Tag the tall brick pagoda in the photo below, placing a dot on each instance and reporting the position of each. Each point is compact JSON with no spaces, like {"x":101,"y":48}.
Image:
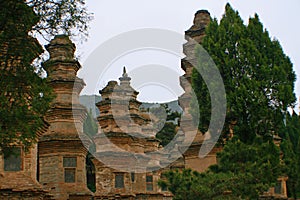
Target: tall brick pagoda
{"x":194,"y":36}
{"x":62,"y":152}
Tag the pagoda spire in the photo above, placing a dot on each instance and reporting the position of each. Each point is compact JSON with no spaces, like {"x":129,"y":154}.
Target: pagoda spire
{"x":124,"y":72}
{"x":125,"y":79}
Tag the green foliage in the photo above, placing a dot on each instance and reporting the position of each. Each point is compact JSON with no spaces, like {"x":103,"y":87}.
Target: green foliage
{"x":60,"y":17}
{"x":90,"y":126}
{"x":191,"y":185}
{"x":298,"y":164}
{"x":260,"y":159}
{"x":169,"y":129}
{"x":243,"y":172}
{"x":24,"y":96}
{"x":167,"y":133}
{"x":291,"y":155}
{"x":258,"y":76}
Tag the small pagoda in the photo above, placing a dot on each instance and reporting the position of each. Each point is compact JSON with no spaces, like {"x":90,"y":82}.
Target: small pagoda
{"x":125,"y":167}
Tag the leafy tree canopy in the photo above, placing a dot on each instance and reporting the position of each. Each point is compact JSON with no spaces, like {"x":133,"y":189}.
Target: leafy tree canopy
{"x":169,"y":126}
{"x":258,"y":76}
{"x":243,"y":172}
{"x":60,"y":17}
{"x":290,"y":147}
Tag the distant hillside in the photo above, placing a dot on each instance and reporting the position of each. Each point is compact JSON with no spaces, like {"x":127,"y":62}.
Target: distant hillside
{"x":173,"y":105}
{"x":89,"y":102}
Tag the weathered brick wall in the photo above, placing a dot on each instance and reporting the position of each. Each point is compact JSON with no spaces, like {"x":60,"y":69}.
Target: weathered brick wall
{"x":22,"y":184}
{"x":200,"y":164}
{"x":9,"y":195}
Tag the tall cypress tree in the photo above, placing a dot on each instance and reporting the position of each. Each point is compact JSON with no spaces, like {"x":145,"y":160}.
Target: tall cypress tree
{"x":258,"y":76}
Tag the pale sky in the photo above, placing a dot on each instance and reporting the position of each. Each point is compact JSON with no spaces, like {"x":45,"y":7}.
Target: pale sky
{"x":115,"y":17}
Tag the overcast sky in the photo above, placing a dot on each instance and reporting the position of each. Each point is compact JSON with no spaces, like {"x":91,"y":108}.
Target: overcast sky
{"x":115,"y":17}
